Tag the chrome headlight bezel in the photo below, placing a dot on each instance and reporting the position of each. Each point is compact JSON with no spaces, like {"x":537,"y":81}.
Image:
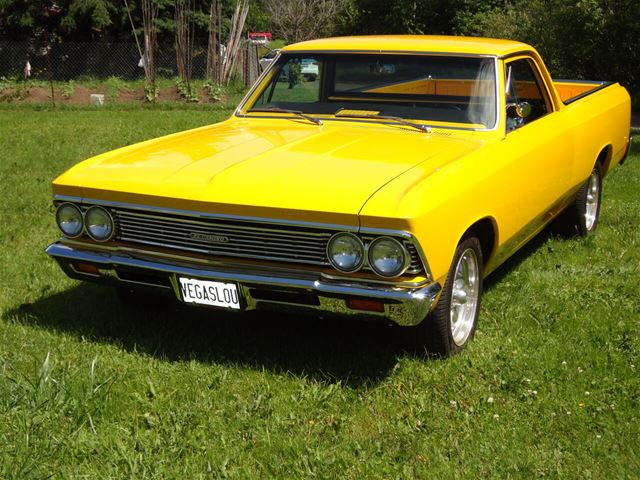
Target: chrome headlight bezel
{"x":74,"y":207}
{"x":110,"y":223}
{"x":358,"y":245}
{"x":402,"y":266}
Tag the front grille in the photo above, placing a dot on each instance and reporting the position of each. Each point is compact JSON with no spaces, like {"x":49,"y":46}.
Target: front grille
{"x":223,"y":237}
{"x":233,"y":238}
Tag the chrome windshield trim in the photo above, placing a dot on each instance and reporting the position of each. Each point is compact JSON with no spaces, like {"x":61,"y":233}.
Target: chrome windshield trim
{"x":256,"y":84}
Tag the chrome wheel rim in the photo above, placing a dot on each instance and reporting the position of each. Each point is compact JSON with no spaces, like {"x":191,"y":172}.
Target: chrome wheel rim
{"x":464,"y":296}
{"x":593,"y":199}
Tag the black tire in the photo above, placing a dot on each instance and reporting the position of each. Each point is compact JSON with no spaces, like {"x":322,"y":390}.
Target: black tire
{"x":581,"y":218}
{"x":434,"y":335}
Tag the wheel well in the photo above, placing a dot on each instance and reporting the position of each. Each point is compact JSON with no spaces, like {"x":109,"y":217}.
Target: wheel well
{"x":604,"y":159}
{"x":485,"y":231}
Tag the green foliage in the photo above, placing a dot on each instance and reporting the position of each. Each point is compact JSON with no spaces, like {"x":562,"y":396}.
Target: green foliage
{"x":68,"y":88}
{"x":276,"y":43}
{"x":295,"y":74}
{"x":5,"y":83}
{"x":96,"y":13}
{"x":257,"y":18}
{"x":187,"y":90}
{"x":586,"y":39}
{"x":114,"y":85}
{"x":236,"y":84}
{"x":215,"y":91}
{"x":151,"y":91}
{"x":399,"y":16}
{"x":589,"y":39}
{"x":14,"y":89}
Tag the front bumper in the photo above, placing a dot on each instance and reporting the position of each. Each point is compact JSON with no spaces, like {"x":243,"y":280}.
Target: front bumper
{"x":260,"y":287}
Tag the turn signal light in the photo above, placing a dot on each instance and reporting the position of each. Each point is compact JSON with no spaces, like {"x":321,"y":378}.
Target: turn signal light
{"x":86,"y":268}
{"x":368,"y":305}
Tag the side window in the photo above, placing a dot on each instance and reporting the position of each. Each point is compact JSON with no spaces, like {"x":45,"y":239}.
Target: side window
{"x":298,"y":81}
{"x":523,"y":88}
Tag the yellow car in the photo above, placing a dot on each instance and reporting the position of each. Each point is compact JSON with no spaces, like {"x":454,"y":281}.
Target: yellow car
{"x":387,"y":187}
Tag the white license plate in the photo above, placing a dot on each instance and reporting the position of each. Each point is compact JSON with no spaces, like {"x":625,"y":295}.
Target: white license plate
{"x":205,"y":292}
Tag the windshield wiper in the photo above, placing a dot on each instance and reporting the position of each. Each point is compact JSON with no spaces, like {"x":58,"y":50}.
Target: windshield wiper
{"x":286,"y":110}
{"x":352,"y":114}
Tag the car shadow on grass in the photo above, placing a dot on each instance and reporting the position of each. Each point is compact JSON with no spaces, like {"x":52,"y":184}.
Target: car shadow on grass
{"x":324,"y":349}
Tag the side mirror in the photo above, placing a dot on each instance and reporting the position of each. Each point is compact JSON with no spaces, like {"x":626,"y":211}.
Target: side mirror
{"x":521,"y":109}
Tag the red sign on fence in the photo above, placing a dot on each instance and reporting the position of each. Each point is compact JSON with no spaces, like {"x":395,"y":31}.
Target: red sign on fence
{"x":260,"y":38}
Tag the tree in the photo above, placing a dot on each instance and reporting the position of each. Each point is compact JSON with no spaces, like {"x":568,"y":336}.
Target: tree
{"x":297,"y":20}
{"x":234,"y":43}
{"x":400,"y":17}
{"x":184,"y":40}
{"x":588,"y":39}
{"x":213,"y":45}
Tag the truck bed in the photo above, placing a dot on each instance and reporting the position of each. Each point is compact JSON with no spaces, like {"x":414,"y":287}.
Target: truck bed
{"x":572,"y":90}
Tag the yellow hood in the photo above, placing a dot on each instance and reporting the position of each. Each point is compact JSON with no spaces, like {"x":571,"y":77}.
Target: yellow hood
{"x":274,"y":168}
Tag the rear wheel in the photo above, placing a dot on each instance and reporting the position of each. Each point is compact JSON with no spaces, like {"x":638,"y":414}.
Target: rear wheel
{"x":582,"y":216}
{"x":452,"y":324}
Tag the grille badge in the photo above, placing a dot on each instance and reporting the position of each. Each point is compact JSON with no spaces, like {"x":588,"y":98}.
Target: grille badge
{"x":207,"y":237}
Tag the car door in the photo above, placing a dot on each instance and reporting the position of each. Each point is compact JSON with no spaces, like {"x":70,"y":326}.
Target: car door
{"x":538,"y":152}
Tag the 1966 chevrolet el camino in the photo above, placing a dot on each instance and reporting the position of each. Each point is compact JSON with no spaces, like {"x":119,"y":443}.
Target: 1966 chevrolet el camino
{"x":387,"y":186}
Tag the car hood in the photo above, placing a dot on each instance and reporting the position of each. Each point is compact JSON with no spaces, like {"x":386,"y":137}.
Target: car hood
{"x":277,"y":169}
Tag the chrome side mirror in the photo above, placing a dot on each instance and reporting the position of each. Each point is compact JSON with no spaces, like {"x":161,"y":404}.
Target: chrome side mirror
{"x":521,"y":109}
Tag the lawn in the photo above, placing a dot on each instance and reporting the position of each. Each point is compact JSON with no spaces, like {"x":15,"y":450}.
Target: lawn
{"x":90,"y":388}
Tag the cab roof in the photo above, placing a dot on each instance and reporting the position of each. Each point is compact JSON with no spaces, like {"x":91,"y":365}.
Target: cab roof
{"x":412,"y":43}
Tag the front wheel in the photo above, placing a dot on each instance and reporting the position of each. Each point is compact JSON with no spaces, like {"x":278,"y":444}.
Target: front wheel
{"x":452,"y":324}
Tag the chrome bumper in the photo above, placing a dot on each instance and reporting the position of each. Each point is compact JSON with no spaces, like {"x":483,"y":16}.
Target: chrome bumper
{"x":260,"y":288}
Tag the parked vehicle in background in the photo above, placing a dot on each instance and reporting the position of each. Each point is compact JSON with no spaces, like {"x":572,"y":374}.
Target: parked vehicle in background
{"x":309,"y":69}
{"x":388,"y":189}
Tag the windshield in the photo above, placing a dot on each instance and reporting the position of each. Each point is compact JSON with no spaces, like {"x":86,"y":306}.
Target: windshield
{"x":428,"y":88}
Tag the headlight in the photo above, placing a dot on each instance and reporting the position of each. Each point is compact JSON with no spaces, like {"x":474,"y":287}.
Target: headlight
{"x":388,"y":257}
{"x":69,"y":219}
{"x":99,"y":224}
{"x":345,"y":252}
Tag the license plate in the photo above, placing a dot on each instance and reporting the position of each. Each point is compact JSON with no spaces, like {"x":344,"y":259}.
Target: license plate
{"x":205,"y":292}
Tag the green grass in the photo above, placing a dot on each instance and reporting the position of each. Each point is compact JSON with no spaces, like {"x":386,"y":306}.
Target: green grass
{"x":92,"y":389}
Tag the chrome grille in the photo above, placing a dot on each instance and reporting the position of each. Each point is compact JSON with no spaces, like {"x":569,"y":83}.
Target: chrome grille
{"x":222,"y":237}
{"x":233,"y":238}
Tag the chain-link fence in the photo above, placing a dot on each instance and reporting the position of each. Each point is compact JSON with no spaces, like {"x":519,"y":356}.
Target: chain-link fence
{"x":72,"y":61}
